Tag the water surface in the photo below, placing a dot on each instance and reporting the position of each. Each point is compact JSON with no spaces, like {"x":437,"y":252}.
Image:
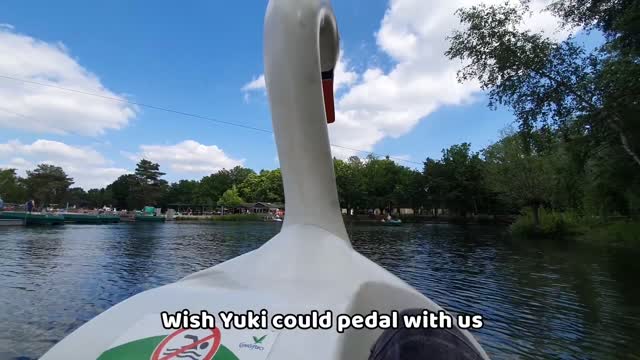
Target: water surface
{"x":540,"y":300}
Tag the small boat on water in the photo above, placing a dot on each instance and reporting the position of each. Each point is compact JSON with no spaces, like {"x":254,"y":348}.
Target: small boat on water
{"x":33,"y":218}
{"x":392,"y":222}
{"x":310,"y":265}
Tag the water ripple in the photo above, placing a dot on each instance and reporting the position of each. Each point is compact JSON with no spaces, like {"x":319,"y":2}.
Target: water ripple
{"x":540,"y":300}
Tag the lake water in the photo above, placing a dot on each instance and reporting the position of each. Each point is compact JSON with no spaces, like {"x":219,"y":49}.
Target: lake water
{"x":540,"y":300}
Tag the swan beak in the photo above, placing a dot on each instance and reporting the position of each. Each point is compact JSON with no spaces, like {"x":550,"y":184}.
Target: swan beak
{"x":327,"y":89}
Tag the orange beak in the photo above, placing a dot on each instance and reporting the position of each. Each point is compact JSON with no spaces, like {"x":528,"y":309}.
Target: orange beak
{"x":327,"y":89}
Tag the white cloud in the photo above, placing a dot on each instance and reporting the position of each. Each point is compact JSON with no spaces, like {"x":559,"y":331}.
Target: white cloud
{"x":187,"y":157}
{"x":344,"y":77}
{"x":87,"y":167}
{"x":255,"y":84}
{"x":377,"y":104}
{"x":45,"y":109}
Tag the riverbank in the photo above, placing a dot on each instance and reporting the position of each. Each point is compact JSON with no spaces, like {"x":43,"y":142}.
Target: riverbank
{"x":231,"y":217}
{"x":369,"y":219}
{"x":442,"y":219}
{"x":612,"y":231}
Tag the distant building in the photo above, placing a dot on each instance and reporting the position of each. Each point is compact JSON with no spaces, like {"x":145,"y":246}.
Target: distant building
{"x":259,"y":208}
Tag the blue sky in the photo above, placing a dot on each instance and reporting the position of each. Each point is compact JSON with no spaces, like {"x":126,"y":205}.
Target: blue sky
{"x":397,"y":96}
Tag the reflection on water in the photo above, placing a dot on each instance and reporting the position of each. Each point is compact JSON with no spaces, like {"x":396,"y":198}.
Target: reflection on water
{"x":540,"y":300}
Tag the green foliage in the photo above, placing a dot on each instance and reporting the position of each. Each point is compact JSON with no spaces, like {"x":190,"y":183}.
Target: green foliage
{"x":47,"y":184}
{"x":12,"y":187}
{"x":617,"y":19}
{"x":266,"y":186}
{"x":120,"y":191}
{"x":146,"y":186}
{"x":230,"y":198}
{"x":553,"y":84}
{"x":213,"y":186}
{"x":551,"y":225}
{"x":622,"y":233}
{"x":350,"y":182}
{"x":456,"y":181}
{"x":518,"y":173}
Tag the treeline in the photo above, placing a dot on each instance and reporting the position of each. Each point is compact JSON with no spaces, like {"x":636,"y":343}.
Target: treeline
{"x":49,"y":185}
{"x":557,"y":171}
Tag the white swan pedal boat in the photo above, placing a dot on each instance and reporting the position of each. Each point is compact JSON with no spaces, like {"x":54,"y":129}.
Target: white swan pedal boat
{"x":309,"y":265}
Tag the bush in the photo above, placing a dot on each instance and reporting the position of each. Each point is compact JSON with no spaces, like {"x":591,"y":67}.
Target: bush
{"x":552,"y":224}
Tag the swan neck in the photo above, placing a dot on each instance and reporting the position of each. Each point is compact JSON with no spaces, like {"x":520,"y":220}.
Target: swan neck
{"x":294,"y":84}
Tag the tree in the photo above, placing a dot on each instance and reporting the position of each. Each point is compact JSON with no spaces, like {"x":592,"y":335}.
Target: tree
{"x":213,"y":186}
{"x":616,"y":19}
{"x":182,"y":192}
{"x":119,"y":191}
{"x":77,"y":196}
{"x":12,"y":187}
{"x":380,"y":176}
{"x":146,"y":186}
{"x":48,"y":184}
{"x":549,"y":83}
{"x":266,"y":186}
{"x":457,"y":180}
{"x":521,"y":176}
{"x":350,"y":182}
{"x":230,"y":198}
{"x":239,"y":174}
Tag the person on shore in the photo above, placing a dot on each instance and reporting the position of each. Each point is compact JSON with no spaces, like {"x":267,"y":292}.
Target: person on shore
{"x":30,"y":205}
{"x":1,"y":204}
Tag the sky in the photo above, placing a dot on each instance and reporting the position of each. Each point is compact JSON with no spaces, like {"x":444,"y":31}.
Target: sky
{"x":397,"y":94}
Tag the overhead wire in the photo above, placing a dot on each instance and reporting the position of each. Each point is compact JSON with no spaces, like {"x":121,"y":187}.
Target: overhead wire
{"x":177,"y":112}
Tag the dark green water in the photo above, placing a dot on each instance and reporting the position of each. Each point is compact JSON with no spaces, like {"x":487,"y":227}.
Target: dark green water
{"x":540,"y":300}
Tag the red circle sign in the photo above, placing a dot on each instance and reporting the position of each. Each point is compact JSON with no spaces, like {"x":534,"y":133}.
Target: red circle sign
{"x":201,"y":344}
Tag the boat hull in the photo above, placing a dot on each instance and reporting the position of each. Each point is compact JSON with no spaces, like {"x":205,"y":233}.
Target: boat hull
{"x":155,"y":219}
{"x":33,"y":218}
{"x":11,"y":222}
{"x":262,"y":279}
{"x":90,"y":218}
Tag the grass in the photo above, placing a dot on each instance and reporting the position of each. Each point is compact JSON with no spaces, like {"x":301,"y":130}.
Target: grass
{"x":623,"y":233}
{"x":570,"y":225}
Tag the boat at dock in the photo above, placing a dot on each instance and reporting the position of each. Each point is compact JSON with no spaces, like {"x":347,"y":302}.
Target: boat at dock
{"x":33,"y":218}
{"x":150,"y":218}
{"x":88,"y":218}
{"x":150,"y":214}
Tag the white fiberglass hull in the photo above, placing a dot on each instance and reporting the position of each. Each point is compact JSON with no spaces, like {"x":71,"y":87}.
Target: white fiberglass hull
{"x":324,"y":274}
